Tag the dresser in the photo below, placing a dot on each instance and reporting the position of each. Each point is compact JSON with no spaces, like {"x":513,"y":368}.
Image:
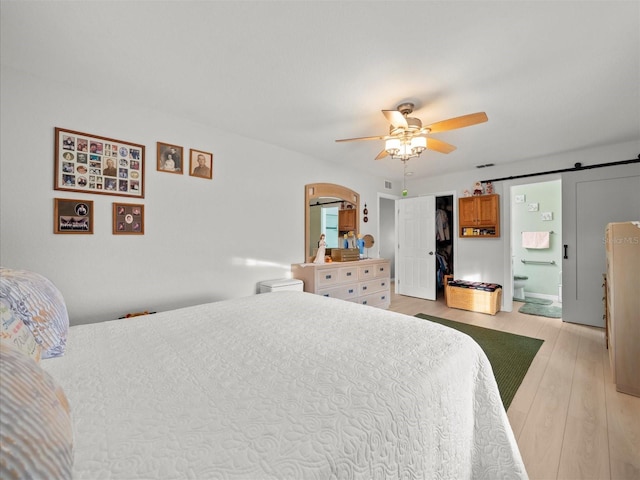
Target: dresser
{"x":622,"y":309}
{"x":362,"y":281}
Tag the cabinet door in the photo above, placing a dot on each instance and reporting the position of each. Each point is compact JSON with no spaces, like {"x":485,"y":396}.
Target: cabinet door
{"x":467,"y":211}
{"x":346,"y":220}
{"x":487,"y":209}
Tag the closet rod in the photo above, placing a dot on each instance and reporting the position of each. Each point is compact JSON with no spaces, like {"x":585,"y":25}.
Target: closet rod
{"x":578,"y":166}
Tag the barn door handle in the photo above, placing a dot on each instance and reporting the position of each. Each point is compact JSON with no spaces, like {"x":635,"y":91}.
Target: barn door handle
{"x":565,"y":251}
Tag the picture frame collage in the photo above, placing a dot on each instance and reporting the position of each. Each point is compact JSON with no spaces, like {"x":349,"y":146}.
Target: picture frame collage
{"x":91,"y":163}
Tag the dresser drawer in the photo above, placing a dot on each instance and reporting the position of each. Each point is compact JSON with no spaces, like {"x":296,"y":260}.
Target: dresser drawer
{"x":379,"y":299}
{"x":373,"y":286}
{"x":327,"y":277}
{"x":348,"y":274}
{"x":343,"y":292}
{"x":366,"y":272}
{"x":381,"y":270}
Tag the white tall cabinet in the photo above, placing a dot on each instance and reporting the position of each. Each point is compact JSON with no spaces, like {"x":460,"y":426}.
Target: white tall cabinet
{"x":622,"y":310}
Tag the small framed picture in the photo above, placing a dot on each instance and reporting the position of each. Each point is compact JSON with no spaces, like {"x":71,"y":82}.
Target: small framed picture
{"x":170,"y":158}
{"x":201,"y":164}
{"x":128,"y":219}
{"x":72,"y":216}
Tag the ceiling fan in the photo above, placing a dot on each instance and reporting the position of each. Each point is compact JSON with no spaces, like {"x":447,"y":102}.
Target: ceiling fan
{"x":408,"y":138}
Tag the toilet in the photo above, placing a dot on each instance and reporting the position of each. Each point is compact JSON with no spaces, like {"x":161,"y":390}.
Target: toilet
{"x":518,"y":286}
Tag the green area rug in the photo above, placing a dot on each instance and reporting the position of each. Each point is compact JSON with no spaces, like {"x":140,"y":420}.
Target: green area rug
{"x":539,"y":301}
{"x":541,"y":310}
{"x":510,"y":355}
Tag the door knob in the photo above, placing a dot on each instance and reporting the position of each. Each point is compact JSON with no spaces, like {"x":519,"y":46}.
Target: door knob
{"x":430,"y":253}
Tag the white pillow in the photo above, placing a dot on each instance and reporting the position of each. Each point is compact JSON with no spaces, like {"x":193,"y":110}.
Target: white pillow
{"x":36,"y":434}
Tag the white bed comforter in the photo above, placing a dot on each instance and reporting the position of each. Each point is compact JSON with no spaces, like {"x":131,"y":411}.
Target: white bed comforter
{"x":284,"y":385}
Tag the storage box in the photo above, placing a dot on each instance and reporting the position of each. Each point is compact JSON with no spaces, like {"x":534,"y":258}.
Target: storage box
{"x":281,"y":284}
{"x":473,"y":299}
{"x":345,"y":254}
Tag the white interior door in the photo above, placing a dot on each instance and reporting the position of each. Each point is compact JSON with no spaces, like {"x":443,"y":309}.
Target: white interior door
{"x":416,"y":259}
{"x":590,"y":202}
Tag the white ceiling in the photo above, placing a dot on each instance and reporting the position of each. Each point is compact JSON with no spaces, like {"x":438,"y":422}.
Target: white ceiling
{"x":552,"y":76}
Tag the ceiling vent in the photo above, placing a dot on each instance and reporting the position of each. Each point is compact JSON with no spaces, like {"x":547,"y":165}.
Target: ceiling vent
{"x":387,"y":185}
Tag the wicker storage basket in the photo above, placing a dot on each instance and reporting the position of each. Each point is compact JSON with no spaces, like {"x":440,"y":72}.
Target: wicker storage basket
{"x":472,"y":299}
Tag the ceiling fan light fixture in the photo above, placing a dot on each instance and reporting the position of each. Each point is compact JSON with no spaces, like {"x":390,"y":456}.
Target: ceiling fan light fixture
{"x":392,"y":146}
{"x":418,"y":145}
{"x":405,"y":149}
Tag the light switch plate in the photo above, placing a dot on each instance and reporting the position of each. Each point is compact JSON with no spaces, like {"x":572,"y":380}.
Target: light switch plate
{"x":520,"y":198}
{"x":532,"y":207}
{"x":546,"y":216}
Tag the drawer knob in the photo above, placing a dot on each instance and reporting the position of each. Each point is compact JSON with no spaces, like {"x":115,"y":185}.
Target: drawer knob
{"x":366,"y":271}
{"x":351,"y":290}
{"x":364,"y":288}
{"x":348,"y":274}
{"x":327,"y":277}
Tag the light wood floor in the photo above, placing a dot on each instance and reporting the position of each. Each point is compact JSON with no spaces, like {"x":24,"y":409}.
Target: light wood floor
{"x":568,"y":419}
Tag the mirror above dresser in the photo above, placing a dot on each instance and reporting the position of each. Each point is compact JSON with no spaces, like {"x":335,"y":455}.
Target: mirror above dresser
{"x":330,"y":209}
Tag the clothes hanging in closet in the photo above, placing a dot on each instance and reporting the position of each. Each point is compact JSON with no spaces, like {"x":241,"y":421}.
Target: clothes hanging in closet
{"x":442,"y":226}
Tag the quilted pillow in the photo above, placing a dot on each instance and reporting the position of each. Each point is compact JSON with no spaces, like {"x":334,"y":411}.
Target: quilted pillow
{"x":39,"y":304}
{"x":36,"y":434}
{"x":14,"y":332}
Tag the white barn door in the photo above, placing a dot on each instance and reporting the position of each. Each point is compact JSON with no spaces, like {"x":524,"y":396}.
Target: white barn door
{"x":416,"y":259}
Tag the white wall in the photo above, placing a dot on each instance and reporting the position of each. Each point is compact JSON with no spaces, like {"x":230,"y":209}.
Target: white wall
{"x":489,"y":259}
{"x":204,"y":240}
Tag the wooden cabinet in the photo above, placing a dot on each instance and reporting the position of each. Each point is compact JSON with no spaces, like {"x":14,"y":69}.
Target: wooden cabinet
{"x":347,"y":220}
{"x":479,"y":216}
{"x":363,"y":281}
{"x":622,"y":311}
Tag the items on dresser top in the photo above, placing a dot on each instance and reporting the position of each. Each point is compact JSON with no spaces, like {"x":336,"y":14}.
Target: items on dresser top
{"x":363,"y":281}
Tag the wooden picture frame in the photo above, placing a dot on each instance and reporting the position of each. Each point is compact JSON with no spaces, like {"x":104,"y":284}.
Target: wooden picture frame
{"x":72,"y":216}
{"x":93,"y":164}
{"x":128,"y":218}
{"x":170,"y":158}
{"x":200,"y":164}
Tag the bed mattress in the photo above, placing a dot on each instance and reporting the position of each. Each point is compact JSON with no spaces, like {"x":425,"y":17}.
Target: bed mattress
{"x":282,"y":385}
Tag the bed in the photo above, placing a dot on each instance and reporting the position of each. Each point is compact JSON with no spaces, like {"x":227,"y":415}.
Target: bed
{"x":282,"y":385}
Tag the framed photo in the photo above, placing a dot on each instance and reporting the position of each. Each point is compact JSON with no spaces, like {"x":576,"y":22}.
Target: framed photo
{"x":93,"y":164}
{"x":169,"y":158}
{"x":201,"y":164}
{"x":72,"y":216}
{"x":128,"y":219}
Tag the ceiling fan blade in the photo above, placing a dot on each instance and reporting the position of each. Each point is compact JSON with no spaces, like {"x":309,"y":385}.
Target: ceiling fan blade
{"x":439,"y":146}
{"x":382,"y":154}
{"x":395,"y":118}
{"x":458,"y":122}
{"x":379,"y":137}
